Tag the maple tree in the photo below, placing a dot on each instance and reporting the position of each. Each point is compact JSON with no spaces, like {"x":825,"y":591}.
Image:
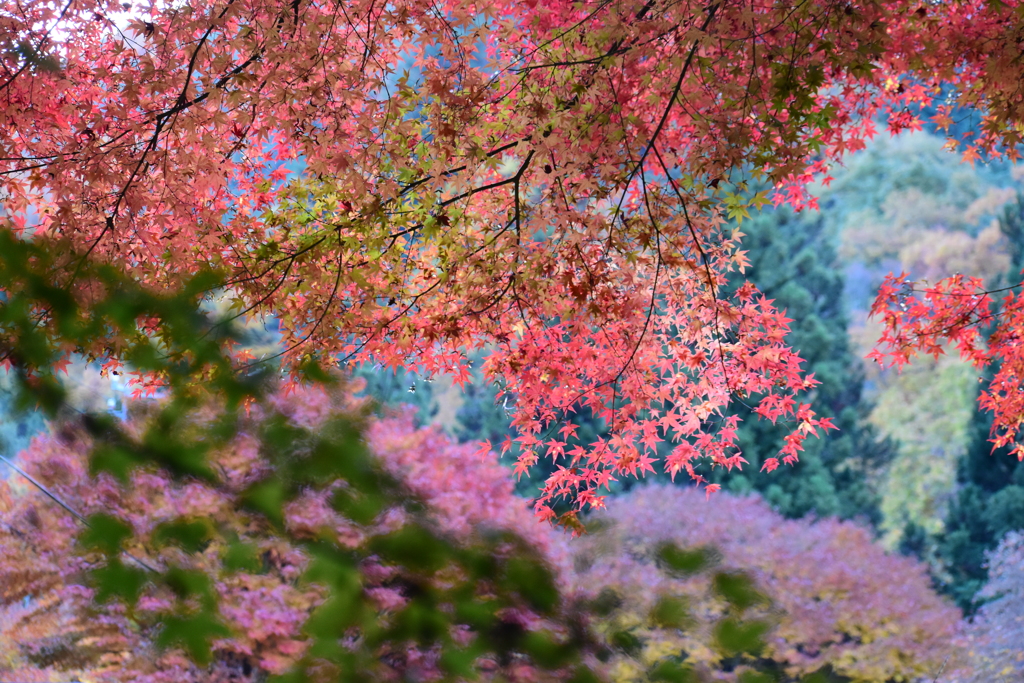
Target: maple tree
{"x":987,"y":500}
{"x":793,"y":262}
{"x":827,"y":598}
{"x":964,"y":313}
{"x":405,"y":182}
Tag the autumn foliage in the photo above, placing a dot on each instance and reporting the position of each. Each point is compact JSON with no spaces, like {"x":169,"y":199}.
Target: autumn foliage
{"x":51,"y":625}
{"x":960,"y":313}
{"x":995,"y":652}
{"x":833,"y":600}
{"x":405,"y":182}
{"x":561,"y":184}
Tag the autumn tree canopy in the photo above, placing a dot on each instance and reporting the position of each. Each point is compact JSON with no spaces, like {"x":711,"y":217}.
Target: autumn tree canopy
{"x":405,"y":182}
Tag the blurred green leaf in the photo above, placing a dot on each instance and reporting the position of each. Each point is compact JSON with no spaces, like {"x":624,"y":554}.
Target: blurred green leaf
{"x":239,"y":556}
{"x":115,"y":580}
{"x":312,"y":371}
{"x":582,"y":674}
{"x":478,"y":614}
{"x":545,"y":650}
{"x":168,"y":335}
{"x":671,"y":672}
{"x":606,"y":602}
{"x":420,"y":621}
{"x":191,"y":535}
{"x":35,"y":58}
{"x":412,"y":546}
{"x":682,"y":562}
{"x":113,"y":459}
{"x":532,"y":580}
{"x":361,"y":507}
{"x":824,"y":675}
{"x":183,"y":457}
{"x":333,"y":567}
{"x":105,"y":533}
{"x":671,"y":612}
{"x":733,"y":636}
{"x":460,"y":662}
{"x":192,"y":632}
{"x":738,"y":589}
{"x":186,"y":583}
{"x":627,"y":641}
{"x":266,"y":497}
{"x":335,"y":616}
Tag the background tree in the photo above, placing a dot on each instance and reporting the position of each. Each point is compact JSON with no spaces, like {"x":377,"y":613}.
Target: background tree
{"x":654,"y":608}
{"x":994,"y":633}
{"x":908,"y":204}
{"x":19,"y":424}
{"x":840,"y":606}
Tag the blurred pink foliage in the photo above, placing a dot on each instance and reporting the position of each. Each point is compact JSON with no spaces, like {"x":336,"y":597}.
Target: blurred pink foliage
{"x":50,"y":630}
{"x":468,"y":492}
{"x":837,"y":598}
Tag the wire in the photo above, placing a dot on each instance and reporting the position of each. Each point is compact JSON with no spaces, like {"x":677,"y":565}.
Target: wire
{"x":55,"y":498}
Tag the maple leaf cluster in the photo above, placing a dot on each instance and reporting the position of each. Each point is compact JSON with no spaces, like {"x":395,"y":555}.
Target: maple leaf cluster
{"x":959,"y":312}
{"x":404,"y":183}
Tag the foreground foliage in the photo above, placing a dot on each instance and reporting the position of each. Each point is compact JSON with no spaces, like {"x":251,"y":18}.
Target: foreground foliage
{"x":776,"y":600}
{"x":221,"y":509}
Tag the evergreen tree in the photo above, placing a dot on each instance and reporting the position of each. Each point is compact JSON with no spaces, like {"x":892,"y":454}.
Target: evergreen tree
{"x":392,"y":388}
{"x":794,"y":262}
